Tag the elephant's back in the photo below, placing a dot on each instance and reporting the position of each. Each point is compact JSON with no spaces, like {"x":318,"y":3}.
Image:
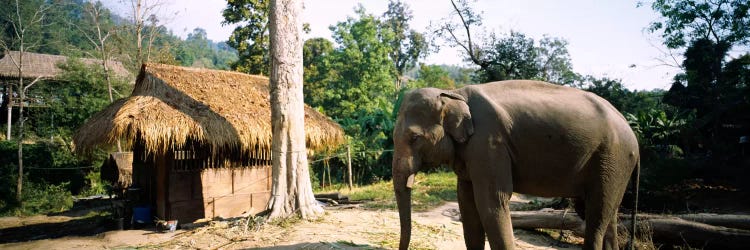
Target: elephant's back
{"x":545,"y":99}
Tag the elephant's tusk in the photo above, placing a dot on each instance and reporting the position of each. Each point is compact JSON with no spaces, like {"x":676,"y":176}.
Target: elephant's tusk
{"x":410,"y":181}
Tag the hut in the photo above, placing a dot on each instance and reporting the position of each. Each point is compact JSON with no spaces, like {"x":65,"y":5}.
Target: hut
{"x":37,"y":67}
{"x":200,"y":138}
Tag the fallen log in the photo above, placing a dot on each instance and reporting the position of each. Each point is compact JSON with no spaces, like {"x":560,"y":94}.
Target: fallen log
{"x":724,"y":220}
{"x":670,"y":230}
{"x":333,"y":196}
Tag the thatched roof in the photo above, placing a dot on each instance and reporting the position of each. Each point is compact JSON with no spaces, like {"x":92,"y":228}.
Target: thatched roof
{"x":45,"y":66}
{"x":172,"y":106}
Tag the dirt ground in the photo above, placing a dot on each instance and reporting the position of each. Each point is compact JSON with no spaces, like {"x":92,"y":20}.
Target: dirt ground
{"x":352,"y":228}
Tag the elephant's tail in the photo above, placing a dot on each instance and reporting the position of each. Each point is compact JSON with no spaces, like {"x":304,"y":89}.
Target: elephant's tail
{"x":635,"y":179}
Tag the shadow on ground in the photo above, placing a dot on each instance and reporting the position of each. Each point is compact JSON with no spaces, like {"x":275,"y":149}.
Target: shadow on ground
{"x":85,"y":226}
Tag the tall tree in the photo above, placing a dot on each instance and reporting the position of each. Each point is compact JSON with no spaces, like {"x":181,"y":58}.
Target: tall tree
{"x":722,"y":21}
{"x":457,"y":33}
{"x":359,"y":74}
{"x":514,"y":56}
{"x":707,"y":30}
{"x":292,"y":190}
{"x":97,"y":34}
{"x":23,"y":21}
{"x":408,"y":45}
{"x":250,"y":37}
{"x":100,"y":30}
{"x":143,"y":11}
{"x":316,"y":53}
{"x":554,"y":61}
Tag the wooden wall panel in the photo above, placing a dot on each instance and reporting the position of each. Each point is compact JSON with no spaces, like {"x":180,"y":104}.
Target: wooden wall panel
{"x":216,"y":182}
{"x":260,"y":200}
{"x":224,"y":192}
{"x":252,"y":180}
{"x":181,"y":186}
{"x":232,"y":206}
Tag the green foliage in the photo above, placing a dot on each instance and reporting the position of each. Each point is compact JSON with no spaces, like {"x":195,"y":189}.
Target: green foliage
{"x":519,"y":57}
{"x":723,"y":21}
{"x":316,"y":53}
{"x":460,"y":76}
{"x":658,"y":133}
{"x":625,"y":100}
{"x":23,"y":24}
{"x":42,"y":198}
{"x":198,"y":51}
{"x":433,"y":76}
{"x":52,"y":174}
{"x":359,"y":72}
{"x":716,"y":92}
{"x":250,"y":38}
{"x":353,"y":83}
{"x":79,"y":92}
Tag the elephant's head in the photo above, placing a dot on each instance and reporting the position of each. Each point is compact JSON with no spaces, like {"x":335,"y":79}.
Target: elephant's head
{"x":429,"y":125}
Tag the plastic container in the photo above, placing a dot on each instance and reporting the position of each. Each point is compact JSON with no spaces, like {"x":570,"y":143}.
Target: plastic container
{"x":142,"y":215}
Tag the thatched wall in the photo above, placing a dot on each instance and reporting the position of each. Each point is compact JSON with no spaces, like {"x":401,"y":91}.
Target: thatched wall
{"x":118,"y":169}
{"x":176,"y":107}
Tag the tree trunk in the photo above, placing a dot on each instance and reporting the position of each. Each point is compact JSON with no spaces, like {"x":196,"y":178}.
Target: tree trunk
{"x":674,"y":230}
{"x":10,"y":111}
{"x":292,"y":190}
{"x":138,"y":18}
{"x":22,"y":96}
{"x":108,"y":79}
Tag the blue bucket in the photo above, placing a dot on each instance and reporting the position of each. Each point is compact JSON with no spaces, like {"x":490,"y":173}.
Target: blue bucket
{"x":142,"y":214}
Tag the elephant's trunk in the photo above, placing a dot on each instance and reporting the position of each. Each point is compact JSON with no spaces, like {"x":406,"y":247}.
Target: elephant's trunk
{"x":403,"y":179}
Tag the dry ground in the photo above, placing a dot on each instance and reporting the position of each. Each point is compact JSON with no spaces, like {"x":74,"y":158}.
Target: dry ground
{"x":353,"y":228}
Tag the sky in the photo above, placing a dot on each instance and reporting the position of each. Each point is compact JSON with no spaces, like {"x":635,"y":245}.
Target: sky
{"x":606,"y":38}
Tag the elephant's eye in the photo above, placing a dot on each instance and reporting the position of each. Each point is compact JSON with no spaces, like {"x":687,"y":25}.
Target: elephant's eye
{"x":413,"y":138}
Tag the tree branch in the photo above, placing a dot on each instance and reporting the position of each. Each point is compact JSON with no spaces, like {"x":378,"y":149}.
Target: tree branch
{"x":32,"y":83}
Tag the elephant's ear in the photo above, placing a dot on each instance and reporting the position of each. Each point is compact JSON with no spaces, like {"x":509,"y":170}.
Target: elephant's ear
{"x":456,"y":116}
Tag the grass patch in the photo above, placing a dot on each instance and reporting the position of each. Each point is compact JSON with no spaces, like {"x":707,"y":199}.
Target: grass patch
{"x":430,"y":190}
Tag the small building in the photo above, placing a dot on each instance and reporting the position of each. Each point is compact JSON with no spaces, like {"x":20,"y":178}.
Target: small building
{"x":37,"y":67}
{"x":200,"y":138}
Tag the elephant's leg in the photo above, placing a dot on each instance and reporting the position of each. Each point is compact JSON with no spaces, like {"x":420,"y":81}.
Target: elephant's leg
{"x":602,"y":199}
{"x":610,"y":237}
{"x":472,"y":224}
{"x":492,"y":180}
{"x":495,"y":215}
{"x":597,"y":221}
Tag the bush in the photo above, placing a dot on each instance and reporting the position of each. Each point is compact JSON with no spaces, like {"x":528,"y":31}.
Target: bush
{"x":43,"y":198}
{"x":38,"y":198}
{"x":51,"y":174}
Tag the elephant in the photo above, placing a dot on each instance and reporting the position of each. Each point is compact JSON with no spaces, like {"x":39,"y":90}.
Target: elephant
{"x":520,"y":136}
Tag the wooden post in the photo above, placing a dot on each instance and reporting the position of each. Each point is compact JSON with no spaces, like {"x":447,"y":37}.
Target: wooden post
{"x":10,"y":111}
{"x":349,"y":164}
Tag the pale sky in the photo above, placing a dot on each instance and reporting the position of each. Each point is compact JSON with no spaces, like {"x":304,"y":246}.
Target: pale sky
{"x":605,"y":37}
